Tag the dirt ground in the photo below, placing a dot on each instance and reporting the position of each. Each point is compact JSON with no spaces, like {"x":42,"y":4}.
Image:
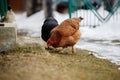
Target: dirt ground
{"x":29,"y":60}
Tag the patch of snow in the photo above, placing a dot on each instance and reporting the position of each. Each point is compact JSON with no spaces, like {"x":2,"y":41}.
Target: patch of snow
{"x":119,"y":68}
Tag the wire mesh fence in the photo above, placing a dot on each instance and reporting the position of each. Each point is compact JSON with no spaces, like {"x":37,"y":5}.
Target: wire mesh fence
{"x":95,"y":12}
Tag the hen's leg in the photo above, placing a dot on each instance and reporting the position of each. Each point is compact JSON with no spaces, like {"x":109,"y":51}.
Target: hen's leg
{"x":46,"y":46}
{"x":73,"y":50}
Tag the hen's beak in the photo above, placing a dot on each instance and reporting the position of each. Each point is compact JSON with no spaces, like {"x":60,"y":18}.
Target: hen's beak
{"x":81,"y":18}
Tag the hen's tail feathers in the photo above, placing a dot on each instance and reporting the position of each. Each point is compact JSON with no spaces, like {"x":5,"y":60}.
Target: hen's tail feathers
{"x":81,"y":18}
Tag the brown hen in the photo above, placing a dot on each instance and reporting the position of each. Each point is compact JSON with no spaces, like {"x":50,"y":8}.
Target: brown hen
{"x":66,"y":34}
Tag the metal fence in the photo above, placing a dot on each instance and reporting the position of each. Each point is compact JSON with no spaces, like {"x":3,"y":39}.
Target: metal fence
{"x":95,"y":12}
{"x":3,"y":7}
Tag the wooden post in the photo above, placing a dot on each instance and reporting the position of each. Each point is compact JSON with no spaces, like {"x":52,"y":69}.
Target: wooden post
{"x":48,"y":8}
{"x":33,"y":6}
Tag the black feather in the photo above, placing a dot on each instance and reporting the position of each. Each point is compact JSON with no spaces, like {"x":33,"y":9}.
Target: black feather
{"x":48,"y":25}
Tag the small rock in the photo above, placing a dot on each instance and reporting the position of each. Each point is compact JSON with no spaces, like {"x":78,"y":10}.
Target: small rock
{"x":90,"y":53}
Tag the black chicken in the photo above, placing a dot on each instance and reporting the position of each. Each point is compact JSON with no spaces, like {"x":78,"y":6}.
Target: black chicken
{"x":48,"y":25}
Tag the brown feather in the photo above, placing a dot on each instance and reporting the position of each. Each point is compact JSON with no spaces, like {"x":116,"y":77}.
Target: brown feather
{"x":66,"y":34}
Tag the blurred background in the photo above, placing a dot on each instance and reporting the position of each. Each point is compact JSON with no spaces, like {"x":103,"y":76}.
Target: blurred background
{"x":101,"y":10}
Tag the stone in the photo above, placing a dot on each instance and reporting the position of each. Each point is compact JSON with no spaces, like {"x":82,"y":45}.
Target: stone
{"x":7,"y":36}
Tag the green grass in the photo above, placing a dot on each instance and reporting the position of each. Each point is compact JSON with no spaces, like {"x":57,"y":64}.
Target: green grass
{"x":31,"y":62}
